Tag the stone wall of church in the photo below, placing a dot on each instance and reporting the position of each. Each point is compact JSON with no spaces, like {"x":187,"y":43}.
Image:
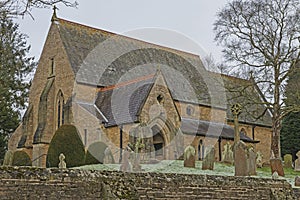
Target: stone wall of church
{"x":261,"y":134}
{"x":195,"y":111}
{"x":34,"y":183}
{"x":53,"y":64}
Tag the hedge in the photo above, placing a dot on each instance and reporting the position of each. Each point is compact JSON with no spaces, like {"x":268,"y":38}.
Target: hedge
{"x":66,"y":140}
{"x":21,"y":158}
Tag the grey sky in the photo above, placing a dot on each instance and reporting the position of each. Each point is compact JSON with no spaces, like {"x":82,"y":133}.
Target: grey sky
{"x":173,"y":21}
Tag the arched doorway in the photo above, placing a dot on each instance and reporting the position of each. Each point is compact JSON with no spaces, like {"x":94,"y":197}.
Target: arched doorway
{"x":158,"y":143}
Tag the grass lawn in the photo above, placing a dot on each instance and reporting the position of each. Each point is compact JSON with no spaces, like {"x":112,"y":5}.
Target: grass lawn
{"x":176,"y":166}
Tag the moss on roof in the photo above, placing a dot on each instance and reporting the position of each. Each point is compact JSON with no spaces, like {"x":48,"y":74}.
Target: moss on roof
{"x":103,"y":58}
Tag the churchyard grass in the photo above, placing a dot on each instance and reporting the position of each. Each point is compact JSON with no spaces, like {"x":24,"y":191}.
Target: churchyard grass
{"x":220,"y":169}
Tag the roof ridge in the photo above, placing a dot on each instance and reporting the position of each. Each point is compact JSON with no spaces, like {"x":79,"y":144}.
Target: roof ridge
{"x":122,"y":84}
{"x":160,"y":46}
{"x":85,"y":26}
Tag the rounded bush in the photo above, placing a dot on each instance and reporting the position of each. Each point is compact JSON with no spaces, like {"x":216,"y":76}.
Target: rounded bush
{"x":96,"y":153}
{"x":21,"y":158}
{"x":67,"y":141}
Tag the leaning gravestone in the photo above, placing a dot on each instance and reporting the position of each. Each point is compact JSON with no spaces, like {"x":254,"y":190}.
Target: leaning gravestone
{"x":209,"y":160}
{"x":189,"y":156}
{"x":251,"y":161}
{"x":240,"y":159}
{"x":288,"y":161}
{"x":227,"y":154}
{"x":297,"y":162}
{"x":62,"y":164}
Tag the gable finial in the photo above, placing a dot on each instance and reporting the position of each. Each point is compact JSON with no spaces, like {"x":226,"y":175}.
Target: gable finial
{"x":54,"y":16}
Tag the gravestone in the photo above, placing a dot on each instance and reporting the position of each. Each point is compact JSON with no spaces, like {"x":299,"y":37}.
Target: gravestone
{"x":297,"y":181}
{"x":259,"y":159}
{"x":108,"y":157}
{"x":62,"y":164}
{"x":297,"y":162}
{"x":251,"y":161}
{"x":227,"y":154}
{"x":189,"y":156}
{"x":276,"y":166}
{"x":288,"y":161}
{"x":209,"y":159}
{"x":240,"y":159}
{"x":126,"y":165}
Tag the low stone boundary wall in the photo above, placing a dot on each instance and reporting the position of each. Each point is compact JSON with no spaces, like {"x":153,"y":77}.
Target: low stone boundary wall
{"x":36,"y":183}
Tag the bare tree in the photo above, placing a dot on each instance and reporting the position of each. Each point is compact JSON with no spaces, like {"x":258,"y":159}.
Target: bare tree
{"x":23,"y":7}
{"x":262,"y":36}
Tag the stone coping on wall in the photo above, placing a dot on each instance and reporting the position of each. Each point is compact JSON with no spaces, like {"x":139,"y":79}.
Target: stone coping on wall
{"x":122,"y":185}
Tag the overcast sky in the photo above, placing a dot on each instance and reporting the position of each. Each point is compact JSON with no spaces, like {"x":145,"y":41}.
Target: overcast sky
{"x":185,"y":25}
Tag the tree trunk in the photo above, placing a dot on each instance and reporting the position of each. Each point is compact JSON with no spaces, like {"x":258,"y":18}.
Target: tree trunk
{"x":276,"y":123}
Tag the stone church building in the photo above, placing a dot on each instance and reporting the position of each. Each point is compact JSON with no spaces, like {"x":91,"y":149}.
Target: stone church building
{"x":116,"y":89}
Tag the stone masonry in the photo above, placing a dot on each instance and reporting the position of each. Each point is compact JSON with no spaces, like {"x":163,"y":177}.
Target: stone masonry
{"x":37,"y":183}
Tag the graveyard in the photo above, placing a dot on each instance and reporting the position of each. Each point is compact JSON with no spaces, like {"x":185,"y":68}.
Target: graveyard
{"x":176,"y":167}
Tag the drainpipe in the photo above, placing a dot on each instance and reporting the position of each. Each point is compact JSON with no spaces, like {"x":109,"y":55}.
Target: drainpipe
{"x":253,"y":135}
{"x":121,"y":143}
{"x":220,"y":152}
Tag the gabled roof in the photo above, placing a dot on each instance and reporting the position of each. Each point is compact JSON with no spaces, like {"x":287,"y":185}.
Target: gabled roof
{"x":247,"y":94}
{"x":121,"y":103}
{"x":102,"y":58}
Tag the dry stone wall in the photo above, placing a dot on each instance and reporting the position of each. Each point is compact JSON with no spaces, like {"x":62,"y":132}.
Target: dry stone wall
{"x":36,"y":183}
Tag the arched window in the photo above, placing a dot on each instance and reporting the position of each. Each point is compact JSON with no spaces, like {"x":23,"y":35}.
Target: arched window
{"x":60,"y":109}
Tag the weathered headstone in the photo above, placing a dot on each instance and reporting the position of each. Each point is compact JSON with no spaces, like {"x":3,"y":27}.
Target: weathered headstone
{"x":209,"y":159}
{"x":259,"y":159}
{"x":297,"y":181}
{"x":227,"y":154}
{"x":251,"y":161}
{"x":108,"y":157}
{"x":62,"y":164}
{"x":126,"y":165}
{"x":276,"y":166}
{"x":240,"y":159}
{"x":297,"y":162}
{"x":288,"y":161}
{"x":189,"y":156}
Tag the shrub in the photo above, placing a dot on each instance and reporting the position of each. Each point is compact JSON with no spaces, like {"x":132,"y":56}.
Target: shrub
{"x":66,"y":140}
{"x":21,"y":158}
{"x":95,"y":153}
{"x":8,"y":158}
